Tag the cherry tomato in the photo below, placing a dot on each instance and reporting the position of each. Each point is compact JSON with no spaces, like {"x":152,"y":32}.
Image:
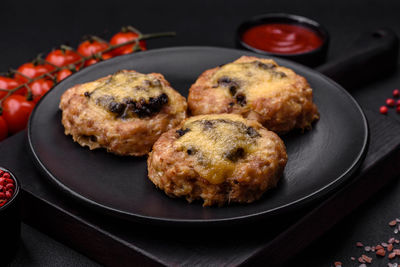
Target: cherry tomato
{"x":3,"y":129}
{"x":123,"y":37}
{"x":40,"y":87}
{"x":16,"y":111}
{"x":10,"y":83}
{"x":62,"y":57}
{"x":90,"y":47}
{"x":32,"y":70}
{"x":62,"y":74}
{"x":92,"y":61}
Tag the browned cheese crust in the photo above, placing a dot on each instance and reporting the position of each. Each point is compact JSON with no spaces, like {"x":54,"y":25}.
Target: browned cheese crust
{"x":220,"y":158}
{"x":257,"y":89}
{"x":124,"y":113}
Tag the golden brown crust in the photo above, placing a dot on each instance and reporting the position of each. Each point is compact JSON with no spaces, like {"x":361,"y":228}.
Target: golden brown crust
{"x":93,"y":127}
{"x":175,"y":171}
{"x":286,"y":106}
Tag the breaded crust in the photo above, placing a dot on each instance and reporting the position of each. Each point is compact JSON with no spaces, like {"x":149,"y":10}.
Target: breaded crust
{"x":92,"y":125}
{"x":216,"y":164}
{"x":255,"y":88}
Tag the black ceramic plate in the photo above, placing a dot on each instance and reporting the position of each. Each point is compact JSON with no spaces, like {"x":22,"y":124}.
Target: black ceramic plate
{"x":319,"y":160}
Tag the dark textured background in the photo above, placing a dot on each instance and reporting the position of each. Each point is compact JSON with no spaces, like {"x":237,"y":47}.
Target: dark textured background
{"x":29,"y":28}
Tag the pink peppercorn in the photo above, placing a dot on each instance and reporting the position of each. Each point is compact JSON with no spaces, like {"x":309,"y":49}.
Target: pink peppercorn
{"x":7,"y":186}
{"x":390,"y":102}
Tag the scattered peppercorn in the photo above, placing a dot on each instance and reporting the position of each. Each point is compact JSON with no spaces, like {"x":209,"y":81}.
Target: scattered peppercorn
{"x":390,"y":102}
{"x":381,"y":252}
{"x":392,"y":255}
{"x":383,"y":110}
{"x":366,"y":258}
{"x":7,"y":187}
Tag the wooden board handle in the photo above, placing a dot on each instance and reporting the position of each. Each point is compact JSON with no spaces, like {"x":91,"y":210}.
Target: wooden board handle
{"x":372,"y":56}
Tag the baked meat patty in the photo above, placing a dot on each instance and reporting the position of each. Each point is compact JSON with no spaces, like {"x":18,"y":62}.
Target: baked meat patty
{"x":125,"y":112}
{"x":219,"y":158}
{"x":255,"y":88}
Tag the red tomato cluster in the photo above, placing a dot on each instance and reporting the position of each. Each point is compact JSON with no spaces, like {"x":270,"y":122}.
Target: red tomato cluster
{"x":59,"y":64}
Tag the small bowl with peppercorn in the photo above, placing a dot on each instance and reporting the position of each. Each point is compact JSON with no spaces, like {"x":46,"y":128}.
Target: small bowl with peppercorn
{"x":10,"y":220}
{"x":285,"y":35}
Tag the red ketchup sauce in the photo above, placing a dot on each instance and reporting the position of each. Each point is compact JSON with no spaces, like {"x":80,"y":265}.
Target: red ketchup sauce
{"x":282,"y":38}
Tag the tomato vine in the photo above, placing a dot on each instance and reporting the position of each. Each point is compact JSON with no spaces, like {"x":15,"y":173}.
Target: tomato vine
{"x":46,"y":72}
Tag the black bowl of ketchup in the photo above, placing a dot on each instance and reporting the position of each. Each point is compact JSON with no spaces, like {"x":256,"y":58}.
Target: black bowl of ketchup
{"x":285,"y":35}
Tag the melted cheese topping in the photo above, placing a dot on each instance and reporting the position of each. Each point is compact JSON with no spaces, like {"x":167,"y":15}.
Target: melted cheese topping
{"x":120,"y":87}
{"x":254,"y":79}
{"x":217,"y":142}
{"x":128,"y":84}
